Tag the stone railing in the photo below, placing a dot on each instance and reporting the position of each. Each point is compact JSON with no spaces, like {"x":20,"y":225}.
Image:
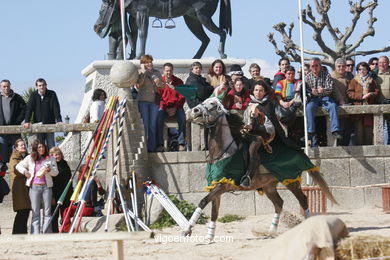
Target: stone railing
{"x":378,"y":111}
{"x":75,"y":143}
{"x":196,"y":141}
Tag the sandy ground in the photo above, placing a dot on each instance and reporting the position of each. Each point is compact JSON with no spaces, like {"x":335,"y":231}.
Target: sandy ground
{"x":241,"y":240}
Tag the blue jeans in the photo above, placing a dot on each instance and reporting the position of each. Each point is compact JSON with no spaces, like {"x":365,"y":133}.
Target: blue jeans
{"x":48,"y":139}
{"x":39,"y":194}
{"x":181,"y":120}
{"x":386,"y":131}
{"x":149,"y":111}
{"x":329,"y":105}
{"x":6,"y":144}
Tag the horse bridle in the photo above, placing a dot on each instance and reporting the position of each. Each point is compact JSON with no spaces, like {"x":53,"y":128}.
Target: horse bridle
{"x":206,"y":115}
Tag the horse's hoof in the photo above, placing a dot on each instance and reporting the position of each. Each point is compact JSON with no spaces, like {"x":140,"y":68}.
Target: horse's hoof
{"x":186,"y":232}
{"x":223,"y":56}
{"x":210,"y":238}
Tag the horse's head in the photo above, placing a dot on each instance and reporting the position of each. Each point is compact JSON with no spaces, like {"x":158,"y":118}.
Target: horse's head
{"x":101,"y":26}
{"x":208,"y":112}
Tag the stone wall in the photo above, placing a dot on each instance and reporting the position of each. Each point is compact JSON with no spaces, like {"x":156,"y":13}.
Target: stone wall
{"x":352,"y":173}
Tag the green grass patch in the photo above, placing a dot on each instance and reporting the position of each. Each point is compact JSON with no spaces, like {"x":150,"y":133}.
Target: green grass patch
{"x":230,"y":218}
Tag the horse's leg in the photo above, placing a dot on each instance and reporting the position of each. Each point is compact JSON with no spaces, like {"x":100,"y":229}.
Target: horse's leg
{"x":295,"y":188}
{"x":217,"y":191}
{"x":210,"y":25}
{"x":133,"y":36}
{"x":214,"y":216}
{"x":197,"y":29}
{"x":272,"y":194}
{"x":143,"y":24}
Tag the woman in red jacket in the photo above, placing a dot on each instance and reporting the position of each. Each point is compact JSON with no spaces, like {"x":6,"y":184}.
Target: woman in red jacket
{"x":238,"y":97}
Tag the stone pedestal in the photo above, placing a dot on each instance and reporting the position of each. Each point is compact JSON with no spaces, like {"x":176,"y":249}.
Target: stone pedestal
{"x":133,"y":154}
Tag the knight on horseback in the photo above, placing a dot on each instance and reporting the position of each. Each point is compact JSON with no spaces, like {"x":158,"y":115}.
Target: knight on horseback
{"x":284,"y":160}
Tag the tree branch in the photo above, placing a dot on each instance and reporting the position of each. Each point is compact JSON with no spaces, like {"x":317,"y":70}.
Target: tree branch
{"x":356,"y":10}
{"x":290,"y":28}
{"x":317,"y":28}
{"x":323,"y":11}
{"x":364,"y":53}
{"x":277,"y":50}
{"x":370,"y":29}
{"x":315,"y":53}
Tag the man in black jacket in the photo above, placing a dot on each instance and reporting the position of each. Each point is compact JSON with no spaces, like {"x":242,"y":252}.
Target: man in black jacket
{"x":43,"y":108}
{"x":12,"y":110}
{"x":204,"y":89}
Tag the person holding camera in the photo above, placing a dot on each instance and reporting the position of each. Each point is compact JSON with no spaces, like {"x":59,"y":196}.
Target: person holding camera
{"x":39,"y":168}
{"x":150,"y":85}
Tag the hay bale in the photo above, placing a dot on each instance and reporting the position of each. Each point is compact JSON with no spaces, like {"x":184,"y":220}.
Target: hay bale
{"x":362,"y":247}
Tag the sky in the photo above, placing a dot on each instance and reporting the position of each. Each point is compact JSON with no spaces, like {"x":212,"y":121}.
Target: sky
{"x":55,"y":40}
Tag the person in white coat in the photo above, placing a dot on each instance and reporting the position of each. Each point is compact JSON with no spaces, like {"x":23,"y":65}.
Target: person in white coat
{"x":96,"y":110}
{"x":39,"y":168}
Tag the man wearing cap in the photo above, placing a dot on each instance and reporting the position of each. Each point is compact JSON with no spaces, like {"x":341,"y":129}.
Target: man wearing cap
{"x":236,"y":72}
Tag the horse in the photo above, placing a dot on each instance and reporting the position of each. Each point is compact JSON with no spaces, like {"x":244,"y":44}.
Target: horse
{"x":196,"y":13}
{"x":222,"y":145}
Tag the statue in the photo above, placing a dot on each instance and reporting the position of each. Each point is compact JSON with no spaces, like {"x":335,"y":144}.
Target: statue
{"x":196,"y":13}
{"x":109,"y":13}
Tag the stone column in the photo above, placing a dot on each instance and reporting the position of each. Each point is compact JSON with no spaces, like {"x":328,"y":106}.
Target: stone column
{"x":378,"y":129}
{"x":133,"y":155}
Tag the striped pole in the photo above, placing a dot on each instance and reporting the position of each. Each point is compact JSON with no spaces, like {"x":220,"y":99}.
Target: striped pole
{"x":65,"y":191}
{"x":88,"y":184}
{"x":119,"y":139}
{"x":115,"y":182}
{"x":96,"y":145}
{"x":96,"y":151}
{"x":134,"y":197}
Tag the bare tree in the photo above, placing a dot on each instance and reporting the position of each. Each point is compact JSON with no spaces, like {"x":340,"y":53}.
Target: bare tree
{"x":341,"y":47}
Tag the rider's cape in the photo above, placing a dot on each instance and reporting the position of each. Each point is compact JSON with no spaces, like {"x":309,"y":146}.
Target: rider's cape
{"x":229,"y":170}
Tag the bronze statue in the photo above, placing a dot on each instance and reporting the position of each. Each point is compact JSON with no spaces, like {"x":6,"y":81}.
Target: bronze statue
{"x":196,"y":13}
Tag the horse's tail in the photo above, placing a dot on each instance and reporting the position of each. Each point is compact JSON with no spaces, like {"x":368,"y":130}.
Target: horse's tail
{"x":323,"y":185}
{"x":225,"y":17}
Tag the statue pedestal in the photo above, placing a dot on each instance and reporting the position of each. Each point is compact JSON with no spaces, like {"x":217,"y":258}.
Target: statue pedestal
{"x":133,"y":154}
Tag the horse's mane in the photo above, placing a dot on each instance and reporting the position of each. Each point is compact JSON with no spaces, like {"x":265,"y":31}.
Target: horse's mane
{"x":234,"y":119}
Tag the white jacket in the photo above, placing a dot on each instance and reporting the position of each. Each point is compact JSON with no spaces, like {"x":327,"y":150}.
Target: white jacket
{"x":29,"y":164}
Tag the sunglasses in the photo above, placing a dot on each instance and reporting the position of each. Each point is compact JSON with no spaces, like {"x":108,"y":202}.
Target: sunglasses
{"x":350,"y":65}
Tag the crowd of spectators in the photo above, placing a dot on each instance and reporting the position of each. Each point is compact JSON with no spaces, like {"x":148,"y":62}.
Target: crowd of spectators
{"x":324,"y":88}
{"x":38,"y":179}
